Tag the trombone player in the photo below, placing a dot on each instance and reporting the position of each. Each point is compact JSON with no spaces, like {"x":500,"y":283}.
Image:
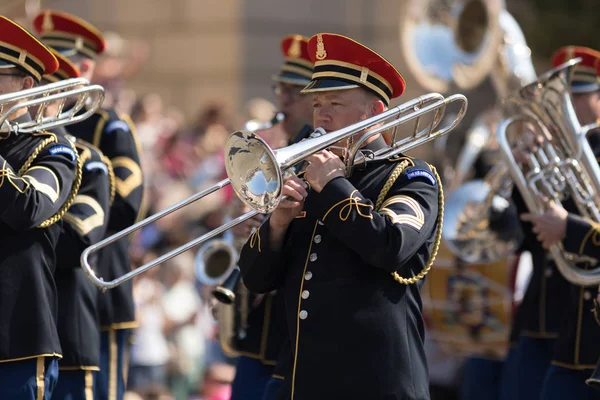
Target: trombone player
{"x":114,"y":135}
{"x":40,"y":178}
{"x":577,"y":348}
{"x":349,"y":252}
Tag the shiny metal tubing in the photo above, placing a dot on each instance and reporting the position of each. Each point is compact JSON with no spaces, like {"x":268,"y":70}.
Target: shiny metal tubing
{"x":281,"y":160}
{"x":41,"y":96}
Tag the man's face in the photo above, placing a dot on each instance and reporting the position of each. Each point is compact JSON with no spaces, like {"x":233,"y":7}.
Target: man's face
{"x":297,"y":107}
{"x":336,"y":109}
{"x":587,"y":106}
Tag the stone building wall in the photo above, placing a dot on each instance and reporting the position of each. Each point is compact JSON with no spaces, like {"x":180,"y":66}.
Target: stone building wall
{"x":227,"y":50}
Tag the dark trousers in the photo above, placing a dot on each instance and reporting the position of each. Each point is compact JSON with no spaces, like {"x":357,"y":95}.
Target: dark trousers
{"x":114,"y":364}
{"x":75,"y":385}
{"x":272,"y":387}
{"x":510,"y":376}
{"x":563,"y":383}
{"x":533,"y":360}
{"x":31,"y":379}
{"x":481,"y":379}
{"x":251,"y":377}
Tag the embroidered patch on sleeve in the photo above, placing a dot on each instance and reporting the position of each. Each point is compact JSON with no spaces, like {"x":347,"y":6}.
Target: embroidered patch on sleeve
{"x":416,"y":173}
{"x":61,"y":149}
{"x":118,"y":124}
{"x":93,"y":165}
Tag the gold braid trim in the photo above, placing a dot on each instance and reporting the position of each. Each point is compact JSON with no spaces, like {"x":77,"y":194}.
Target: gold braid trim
{"x":53,"y":139}
{"x":438,"y":236}
{"x":111,"y":178}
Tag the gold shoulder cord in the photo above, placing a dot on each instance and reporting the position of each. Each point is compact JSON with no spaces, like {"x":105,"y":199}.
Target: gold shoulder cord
{"x":52,"y":139}
{"x":111,"y":177}
{"x":438,"y":236}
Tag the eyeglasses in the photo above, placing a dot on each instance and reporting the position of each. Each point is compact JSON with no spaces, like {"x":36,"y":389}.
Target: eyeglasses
{"x":291,"y":92}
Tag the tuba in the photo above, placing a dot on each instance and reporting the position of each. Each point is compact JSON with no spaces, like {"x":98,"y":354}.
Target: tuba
{"x":564,"y":164}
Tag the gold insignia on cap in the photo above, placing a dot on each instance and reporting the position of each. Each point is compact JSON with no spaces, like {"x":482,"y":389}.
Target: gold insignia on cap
{"x":570,"y":53}
{"x":295,"y":50}
{"x":79,"y":43}
{"x":47,"y":24}
{"x":321,"y":53}
{"x":22,"y":57}
{"x":364,"y":74}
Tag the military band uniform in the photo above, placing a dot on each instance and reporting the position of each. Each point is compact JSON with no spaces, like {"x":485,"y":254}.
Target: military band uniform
{"x":340,"y":345}
{"x":257,"y":376}
{"x":40,"y":177}
{"x":115,"y":137}
{"x":78,"y":326}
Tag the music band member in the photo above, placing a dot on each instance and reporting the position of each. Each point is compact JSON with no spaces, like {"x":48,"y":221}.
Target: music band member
{"x":40,"y":177}
{"x":349,"y":253}
{"x":84,"y":224}
{"x":114,"y":135}
{"x":266,"y":349}
{"x":577,"y":348}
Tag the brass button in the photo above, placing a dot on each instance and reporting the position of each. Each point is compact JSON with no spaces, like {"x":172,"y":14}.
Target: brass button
{"x":320,"y":223}
{"x":305,"y":294}
{"x":303,"y":314}
{"x":587,"y":295}
{"x":313,"y":257}
{"x":318,"y":239}
{"x":308,"y":275}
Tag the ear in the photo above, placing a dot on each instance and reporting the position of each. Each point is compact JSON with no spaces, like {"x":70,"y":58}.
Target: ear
{"x":27,"y":83}
{"x":87,"y":67}
{"x":377,"y":107}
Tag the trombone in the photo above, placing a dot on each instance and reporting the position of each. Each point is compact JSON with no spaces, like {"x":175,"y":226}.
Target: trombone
{"x":256,"y":172}
{"x":77,"y":90}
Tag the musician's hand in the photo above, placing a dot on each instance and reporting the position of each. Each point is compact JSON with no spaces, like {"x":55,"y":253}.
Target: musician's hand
{"x":246,"y":228}
{"x":296,"y":191}
{"x":550,"y":227}
{"x":323,"y":167}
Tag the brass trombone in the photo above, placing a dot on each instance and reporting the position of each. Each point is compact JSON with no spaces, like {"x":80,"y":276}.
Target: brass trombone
{"x":68,"y":91}
{"x":256,"y":172}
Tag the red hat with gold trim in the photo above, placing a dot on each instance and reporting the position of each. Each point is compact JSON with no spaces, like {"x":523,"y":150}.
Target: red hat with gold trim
{"x":66,"y":69}
{"x":586,"y":76}
{"x":297,"y":67}
{"x":343,"y":63}
{"x":69,"y":34}
{"x":20,"y":49}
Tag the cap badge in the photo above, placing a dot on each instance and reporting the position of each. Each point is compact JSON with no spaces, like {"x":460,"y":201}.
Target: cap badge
{"x":321,"y":53}
{"x":295,"y":50}
{"x":47,"y":24}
